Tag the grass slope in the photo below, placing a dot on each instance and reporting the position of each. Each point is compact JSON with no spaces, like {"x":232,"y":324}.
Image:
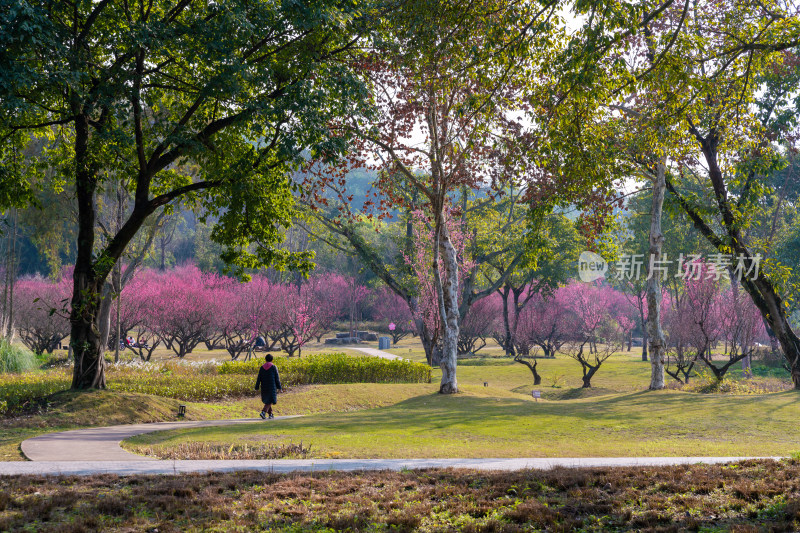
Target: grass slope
{"x":486,"y":422}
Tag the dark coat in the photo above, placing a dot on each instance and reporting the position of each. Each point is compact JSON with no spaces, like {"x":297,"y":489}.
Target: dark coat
{"x":270,"y":383}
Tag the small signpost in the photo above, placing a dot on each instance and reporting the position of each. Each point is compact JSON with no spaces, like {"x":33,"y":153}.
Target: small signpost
{"x":536,"y":394}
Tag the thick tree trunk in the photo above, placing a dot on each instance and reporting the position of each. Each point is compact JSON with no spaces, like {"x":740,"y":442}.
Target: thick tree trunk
{"x":770,"y":304}
{"x":448,"y":304}
{"x":657,"y":341}
{"x":85,"y":337}
{"x":588,"y":373}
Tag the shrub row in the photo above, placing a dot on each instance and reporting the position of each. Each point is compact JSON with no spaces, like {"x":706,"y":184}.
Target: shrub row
{"x":337,"y":368}
{"x":16,"y":390}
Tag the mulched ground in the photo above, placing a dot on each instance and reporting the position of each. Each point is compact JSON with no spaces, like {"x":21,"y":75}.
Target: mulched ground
{"x":748,"y":496}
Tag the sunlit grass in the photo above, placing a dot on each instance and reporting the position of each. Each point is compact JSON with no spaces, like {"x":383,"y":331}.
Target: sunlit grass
{"x":486,"y":422}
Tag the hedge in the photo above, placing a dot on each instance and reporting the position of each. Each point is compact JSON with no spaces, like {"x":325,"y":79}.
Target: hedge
{"x":337,"y":368}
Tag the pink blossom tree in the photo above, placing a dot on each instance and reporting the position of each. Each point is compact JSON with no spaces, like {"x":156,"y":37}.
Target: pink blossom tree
{"x":300,"y":317}
{"x":715,"y":316}
{"x":135,"y":307}
{"x":251,"y":312}
{"x":390,"y":309}
{"x":183,"y":313}
{"x":231,"y":324}
{"x":338,"y":297}
{"x":742,"y":324}
{"x":481,"y":320}
{"x":545,"y":323}
{"x":596,"y":334}
{"x":40,"y":315}
{"x":679,"y":327}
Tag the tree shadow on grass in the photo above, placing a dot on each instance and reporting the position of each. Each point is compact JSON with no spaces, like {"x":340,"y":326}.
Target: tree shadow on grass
{"x":631,"y":417}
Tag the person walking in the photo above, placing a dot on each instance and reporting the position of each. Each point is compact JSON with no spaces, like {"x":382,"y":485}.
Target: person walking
{"x":270,"y":383}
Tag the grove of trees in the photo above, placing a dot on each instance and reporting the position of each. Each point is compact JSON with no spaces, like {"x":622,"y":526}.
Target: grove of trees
{"x":443,"y":163}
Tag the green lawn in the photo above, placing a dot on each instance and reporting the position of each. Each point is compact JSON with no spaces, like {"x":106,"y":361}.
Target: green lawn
{"x":487,"y":422}
{"x":500,"y":420}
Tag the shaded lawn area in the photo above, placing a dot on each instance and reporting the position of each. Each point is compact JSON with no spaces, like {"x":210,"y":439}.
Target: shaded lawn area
{"x":486,"y":422}
{"x":747,"y":496}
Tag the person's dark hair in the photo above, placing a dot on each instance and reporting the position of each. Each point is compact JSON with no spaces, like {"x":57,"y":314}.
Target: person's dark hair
{"x":268,"y":357}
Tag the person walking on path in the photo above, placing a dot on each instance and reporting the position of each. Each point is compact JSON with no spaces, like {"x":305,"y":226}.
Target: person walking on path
{"x":270,"y":383}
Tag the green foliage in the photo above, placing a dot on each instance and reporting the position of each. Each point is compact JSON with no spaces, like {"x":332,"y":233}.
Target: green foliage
{"x":338,"y":368}
{"x":15,"y":359}
{"x":708,"y":384}
{"x":18,"y":390}
{"x":207,"y":103}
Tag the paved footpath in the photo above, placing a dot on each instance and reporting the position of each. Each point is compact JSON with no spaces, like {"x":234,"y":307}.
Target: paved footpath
{"x":66,"y":453}
{"x":103,"y":444}
{"x":124,"y":468}
{"x":376,"y":353}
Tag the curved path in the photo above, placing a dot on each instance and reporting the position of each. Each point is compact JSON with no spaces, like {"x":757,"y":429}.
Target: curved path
{"x":66,"y":453}
{"x":103,"y":444}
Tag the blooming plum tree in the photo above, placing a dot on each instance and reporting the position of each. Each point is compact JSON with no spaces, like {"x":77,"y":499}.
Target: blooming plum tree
{"x":596,"y":334}
{"x":481,"y":320}
{"x":40,"y":315}
{"x":390,"y":309}
{"x":183,"y":310}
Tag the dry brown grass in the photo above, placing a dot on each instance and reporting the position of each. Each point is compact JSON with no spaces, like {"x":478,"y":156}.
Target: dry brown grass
{"x":205,"y":450}
{"x":749,"y":496}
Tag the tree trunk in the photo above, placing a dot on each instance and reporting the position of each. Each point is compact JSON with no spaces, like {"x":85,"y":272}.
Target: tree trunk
{"x":588,"y":373}
{"x":104,"y":314}
{"x":447,"y":286}
{"x":645,"y":340}
{"x":537,"y":379}
{"x":85,"y":338}
{"x":508,"y":342}
{"x":11,"y":277}
{"x":657,"y":341}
